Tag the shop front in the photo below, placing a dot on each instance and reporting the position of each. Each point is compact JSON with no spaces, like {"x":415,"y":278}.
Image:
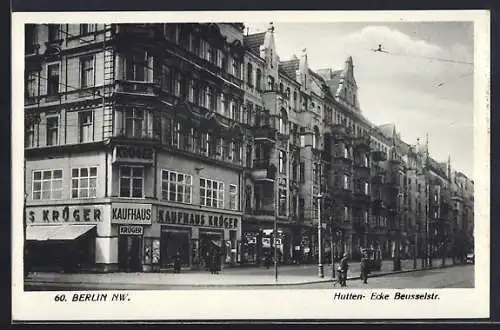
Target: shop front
{"x":130,"y":220}
{"x":62,"y":237}
{"x":193,"y":235}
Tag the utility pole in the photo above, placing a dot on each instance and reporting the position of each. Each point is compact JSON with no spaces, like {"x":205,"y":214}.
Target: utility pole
{"x":275,"y":229}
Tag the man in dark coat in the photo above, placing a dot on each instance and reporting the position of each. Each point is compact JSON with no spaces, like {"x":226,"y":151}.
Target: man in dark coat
{"x":364,"y":268}
{"x":177,"y":262}
{"x":344,"y":267}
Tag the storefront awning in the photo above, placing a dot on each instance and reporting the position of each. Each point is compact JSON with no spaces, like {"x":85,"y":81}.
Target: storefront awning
{"x":56,"y":233}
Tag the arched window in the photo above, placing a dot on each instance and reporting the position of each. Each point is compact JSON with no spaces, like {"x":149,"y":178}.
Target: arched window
{"x":288,"y":93}
{"x":283,"y":121}
{"x":316,"y":137}
{"x":250,"y":74}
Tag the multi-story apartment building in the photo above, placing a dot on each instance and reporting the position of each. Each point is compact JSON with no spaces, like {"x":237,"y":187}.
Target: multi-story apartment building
{"x":144,"y":141}
{"x":462,"y":198}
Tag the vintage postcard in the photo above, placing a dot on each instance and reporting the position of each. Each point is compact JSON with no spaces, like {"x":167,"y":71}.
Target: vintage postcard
{"x":250,"y":165}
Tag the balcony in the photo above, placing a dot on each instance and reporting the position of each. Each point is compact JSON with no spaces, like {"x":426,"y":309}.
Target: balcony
{"x":138,"y":88}
{"x":145,"y":134}
{"x":263,"y":170}
{"x":379,"y":156}
{"x":360,"y":196}
{"x":362,"y":143}
{"x":265,"y":134}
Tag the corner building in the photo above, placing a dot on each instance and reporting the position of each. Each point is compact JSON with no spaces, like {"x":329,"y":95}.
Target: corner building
{"x":133,"y":144}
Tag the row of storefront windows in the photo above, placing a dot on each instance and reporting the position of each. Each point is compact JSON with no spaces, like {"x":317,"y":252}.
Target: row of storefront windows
{"x":176,"y":186}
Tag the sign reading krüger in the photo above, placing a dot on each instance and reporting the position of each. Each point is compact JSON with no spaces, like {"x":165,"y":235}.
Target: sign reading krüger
{"x":64,"y":213}
{"x":137,"y":214}
{"x":199,"y":219}
{"x":133,"y":153}
{"x":131,"y":230}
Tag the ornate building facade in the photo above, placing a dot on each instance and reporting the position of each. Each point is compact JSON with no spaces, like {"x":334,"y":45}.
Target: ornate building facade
{"x":144,"y":141}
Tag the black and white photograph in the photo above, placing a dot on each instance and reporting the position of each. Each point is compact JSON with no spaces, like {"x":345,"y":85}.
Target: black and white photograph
{"x":343,"y":157}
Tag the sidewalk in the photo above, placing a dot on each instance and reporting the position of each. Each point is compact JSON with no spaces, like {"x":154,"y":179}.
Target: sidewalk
{"x":287,"y":275}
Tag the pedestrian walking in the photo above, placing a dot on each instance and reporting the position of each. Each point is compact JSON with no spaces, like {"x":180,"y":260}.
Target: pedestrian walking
{"x":177,"y":262}
{"x":214,"y":261}
{"x":364,"y":268}
{"x":344,"y":267}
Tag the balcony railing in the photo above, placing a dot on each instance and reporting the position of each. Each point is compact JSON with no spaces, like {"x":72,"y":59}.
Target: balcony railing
{"x":265,"y":133}
{"x":136,"y":87}
{"x":145,"y":134}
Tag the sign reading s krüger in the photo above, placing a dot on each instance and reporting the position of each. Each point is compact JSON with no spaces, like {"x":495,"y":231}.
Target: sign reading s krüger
{"x":129,"y":213}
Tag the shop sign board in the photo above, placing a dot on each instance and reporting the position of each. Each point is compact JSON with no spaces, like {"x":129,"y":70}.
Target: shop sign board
{"x":135,"y":154}
{"x":64,"y":214}
{"x":131,"y":230}
{"x":131,"y":214}
{"x":197,"y":218}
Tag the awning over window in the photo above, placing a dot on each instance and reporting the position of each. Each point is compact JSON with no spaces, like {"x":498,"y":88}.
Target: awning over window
{"x":56,"y":233}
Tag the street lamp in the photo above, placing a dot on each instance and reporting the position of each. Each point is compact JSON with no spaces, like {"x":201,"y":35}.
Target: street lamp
{"x":320,"y":265}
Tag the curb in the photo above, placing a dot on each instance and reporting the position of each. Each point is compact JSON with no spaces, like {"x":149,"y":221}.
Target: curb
{"x":325,"y":280}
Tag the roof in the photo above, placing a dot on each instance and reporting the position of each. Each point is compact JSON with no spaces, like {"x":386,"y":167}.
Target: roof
{"x":387,"y":129}
{"x":252,"y":42}
{"x":290,"y":67}
{"x":332,"y":78}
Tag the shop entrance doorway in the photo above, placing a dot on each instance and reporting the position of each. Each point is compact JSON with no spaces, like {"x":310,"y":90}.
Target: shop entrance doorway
{"x":210,"y":242}
{"x":129,"y":253}
{"x":171,"y":243}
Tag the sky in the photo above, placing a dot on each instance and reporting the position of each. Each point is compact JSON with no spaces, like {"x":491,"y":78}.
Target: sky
{"x":420,"y":95}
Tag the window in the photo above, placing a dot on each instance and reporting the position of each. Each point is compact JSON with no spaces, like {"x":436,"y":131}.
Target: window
{"x":47,"y":184}
{"x":316,"y":137}
{"x":236,"y":68}
{"x":347,"y":184}
{"x":184,"y":37}
{"x":29,"y":140}
{"x":52,"y":131}
{"x":31,"y":84}
{"x":365,"y":216}
{"x":54,"y":32}
{"x":282,"y":202}
{"x":302,"y":171}
{"x":346,"y":152}
{"x":176,"y":186}
{"x":250,"y":74}
{"x":135,"y":67}
{"x":346,"y":214}
{"x":211,"y":193}
{"x":171,"y":32}
{"x":270,"y":83}
{"x":87,"y":72}
{"x":134,"y":122}
{"x":85,"y":120}
{"x":282,"y":162}
{"x":53,"y":79}
{"x":367,"y":189}
{"x":83,"y":182}
{"x":87,"y":28}
{"x":29,"y":38}
{"x":258,"y":80}
{"x":233,"y":197}
{"x":283,"y":120}
{"x":366,"y":161}
{"x":132,"y":181}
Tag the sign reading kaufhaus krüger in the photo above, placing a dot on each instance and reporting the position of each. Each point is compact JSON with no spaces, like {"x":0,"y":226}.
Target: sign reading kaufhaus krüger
{"x":198,"y":219}
{"x":131,"y":214}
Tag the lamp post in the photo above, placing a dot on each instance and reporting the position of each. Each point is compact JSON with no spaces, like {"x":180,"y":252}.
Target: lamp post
{"x":332,"y":246}
{"x":320,"y":265}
